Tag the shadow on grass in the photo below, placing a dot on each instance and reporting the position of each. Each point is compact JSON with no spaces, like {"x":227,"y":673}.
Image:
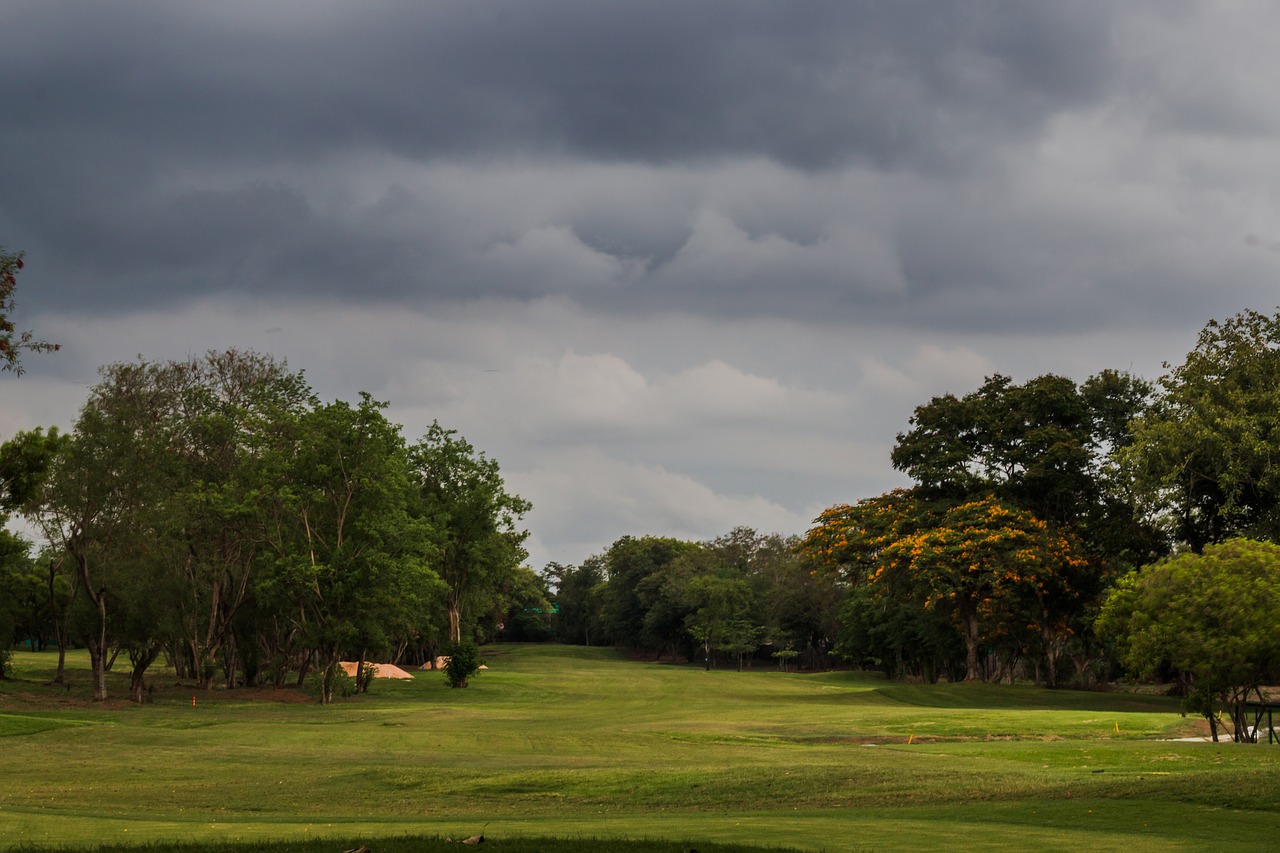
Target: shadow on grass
{"x":1003,"y":697}
{"x":421,"y":844}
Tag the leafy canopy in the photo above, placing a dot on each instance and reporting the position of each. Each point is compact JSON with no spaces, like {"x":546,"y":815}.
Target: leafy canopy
{"x":1214,"y":616}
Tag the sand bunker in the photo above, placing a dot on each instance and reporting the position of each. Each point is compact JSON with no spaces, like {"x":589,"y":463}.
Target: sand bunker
{"x":381,"y":670}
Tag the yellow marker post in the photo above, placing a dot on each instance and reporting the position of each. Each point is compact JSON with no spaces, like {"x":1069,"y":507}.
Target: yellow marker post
{"x":1117,"y":727}
{"x":910,"y":738}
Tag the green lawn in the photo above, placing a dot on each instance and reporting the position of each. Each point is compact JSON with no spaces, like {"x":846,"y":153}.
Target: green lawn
{"x":581,"y":743}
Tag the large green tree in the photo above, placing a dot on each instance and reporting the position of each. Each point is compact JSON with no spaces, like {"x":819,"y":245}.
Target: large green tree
{"x":880,"y":624}
{"x":351,"y":556}
{"x":1004,"y":577}
{"x":1213,"y":616}
{"x":92,"y":504}
{"x":217,"y":419}
{"x":171,"y":454}
{"x":637,"y":571}
{"x":723,"y":614}
{"x":1050,"y":447}
{"x":1030,"y":443}
{"x":994,"y":568}
{"x":1047,"y":445}
{"x":461,"y":494}
{"x":1208,"y":452}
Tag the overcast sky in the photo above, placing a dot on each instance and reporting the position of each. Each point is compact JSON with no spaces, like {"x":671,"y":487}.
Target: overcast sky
{"x":677,"y":266}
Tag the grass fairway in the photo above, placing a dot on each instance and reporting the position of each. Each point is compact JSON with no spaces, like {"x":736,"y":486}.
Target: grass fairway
{"x":581,"y":743}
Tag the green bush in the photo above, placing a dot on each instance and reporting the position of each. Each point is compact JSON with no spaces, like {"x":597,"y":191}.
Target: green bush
{"x":464,"y":661}
{"x":343,"y":685}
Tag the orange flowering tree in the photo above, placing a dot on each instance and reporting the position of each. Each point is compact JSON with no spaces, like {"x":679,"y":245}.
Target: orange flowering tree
{"x":989,"y":565}
{"x":879,"y":626}
{"x":847,"y":539}
{"x":995,"y":571}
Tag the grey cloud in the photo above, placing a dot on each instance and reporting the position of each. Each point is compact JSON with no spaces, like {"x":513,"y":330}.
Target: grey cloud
{"x":167,"y":152}
{"x":862,"y":203}
{"x":812,"y":85}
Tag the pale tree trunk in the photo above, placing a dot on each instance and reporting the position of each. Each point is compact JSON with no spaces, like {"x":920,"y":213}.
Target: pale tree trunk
{"x":61,"y":628}
{"x":60,"y":676}
{"x":231,"y":664}
{"x":1083,"y":664}
{"x":98,"y":649}
{"x":1053,"y":642}
{"x":455,"y":617}
{"x":329,"y":674}
{"x":98,"y":642}
{"x":1053,"y":647}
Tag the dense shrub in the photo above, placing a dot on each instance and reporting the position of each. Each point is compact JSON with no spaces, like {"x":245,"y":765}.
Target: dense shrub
{"x":464,"y":661}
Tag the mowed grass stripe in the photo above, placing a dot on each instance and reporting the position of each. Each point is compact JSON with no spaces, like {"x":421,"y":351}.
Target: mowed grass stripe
{"x":559,"y":741}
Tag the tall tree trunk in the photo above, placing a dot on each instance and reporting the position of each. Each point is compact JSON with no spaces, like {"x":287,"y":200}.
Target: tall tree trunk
{"x":304,"y":667}
{"x":362,"y":682}
{"x":973,"y":672}
{"x":60,"y":677}
{"x":1083,"y":664}
{"x":98,"y":642}
{"x":61,"y":629}
{"x":455,"y":617}
{"x":141,"y":660}
{"x":329,"y":674}
{"x":230,"y":662}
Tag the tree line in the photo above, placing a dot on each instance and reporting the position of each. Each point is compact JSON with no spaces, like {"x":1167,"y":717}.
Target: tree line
{"x":1050,"y":528}
{"x":978,"y":571}
{"x":736,"y":597}
{"x":215,"y":511}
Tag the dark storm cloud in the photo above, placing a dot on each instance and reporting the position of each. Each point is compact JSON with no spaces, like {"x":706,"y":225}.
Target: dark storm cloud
{"x":812,"y":84}
{"x":160,"y":152}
